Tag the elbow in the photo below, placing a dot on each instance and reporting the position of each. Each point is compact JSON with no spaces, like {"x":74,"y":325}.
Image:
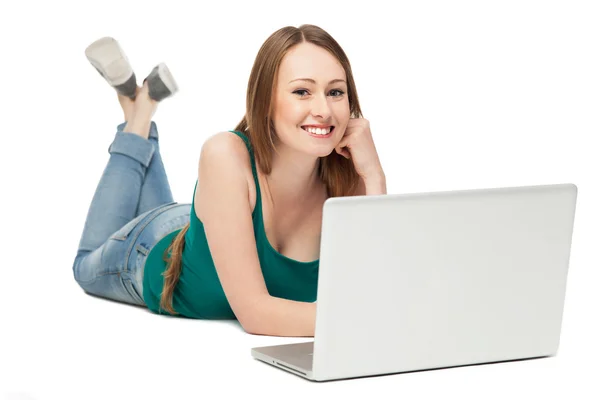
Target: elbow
{"x":253,"y":318}
{"x":253,"y":326}
{"x":251,"y":329}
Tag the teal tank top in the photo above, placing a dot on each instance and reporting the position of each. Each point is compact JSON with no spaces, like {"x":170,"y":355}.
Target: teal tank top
{"x":199,"y":293}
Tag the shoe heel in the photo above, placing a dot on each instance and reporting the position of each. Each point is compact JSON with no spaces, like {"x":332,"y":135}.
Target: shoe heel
{"x":161,"y":83}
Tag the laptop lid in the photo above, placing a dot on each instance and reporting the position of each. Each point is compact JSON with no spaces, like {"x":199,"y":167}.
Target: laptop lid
{"x":429,"y":280}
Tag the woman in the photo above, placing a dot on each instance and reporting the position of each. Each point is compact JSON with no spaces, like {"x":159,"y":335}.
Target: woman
{"x":247,"y":247}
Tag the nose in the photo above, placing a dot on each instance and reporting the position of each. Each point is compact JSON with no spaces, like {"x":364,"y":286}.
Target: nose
{"x":320,"y":107}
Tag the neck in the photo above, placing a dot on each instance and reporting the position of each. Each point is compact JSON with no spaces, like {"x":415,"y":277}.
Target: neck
{"x":294,"y":175}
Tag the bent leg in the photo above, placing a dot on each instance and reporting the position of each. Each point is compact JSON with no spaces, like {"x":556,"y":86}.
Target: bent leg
{"x":114,"y":203}
{"x":155,"y":190}
{"x":117,"y":195}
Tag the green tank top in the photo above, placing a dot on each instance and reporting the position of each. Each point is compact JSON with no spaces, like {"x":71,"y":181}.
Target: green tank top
{"x":199,"y":293}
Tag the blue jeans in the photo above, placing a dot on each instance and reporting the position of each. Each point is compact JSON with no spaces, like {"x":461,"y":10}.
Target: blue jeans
{"x":132,"y":209}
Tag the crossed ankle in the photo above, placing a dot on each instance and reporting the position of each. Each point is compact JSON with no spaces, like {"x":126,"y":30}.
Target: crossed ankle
{"x":139,"y":128}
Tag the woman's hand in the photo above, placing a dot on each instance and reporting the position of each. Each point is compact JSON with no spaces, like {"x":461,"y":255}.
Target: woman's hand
{"x":357,"y":144}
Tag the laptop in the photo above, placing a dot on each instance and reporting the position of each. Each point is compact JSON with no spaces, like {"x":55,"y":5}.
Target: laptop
{"x":411,"y":282}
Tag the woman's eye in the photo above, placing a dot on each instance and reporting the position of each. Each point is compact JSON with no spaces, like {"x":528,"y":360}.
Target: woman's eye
{"x":304,"y":90}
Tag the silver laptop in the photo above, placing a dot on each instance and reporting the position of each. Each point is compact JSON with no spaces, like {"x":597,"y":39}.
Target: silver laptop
{"x":412,"y":282}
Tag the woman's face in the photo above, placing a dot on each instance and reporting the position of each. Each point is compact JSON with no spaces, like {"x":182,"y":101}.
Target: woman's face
{"x":301,"y":102}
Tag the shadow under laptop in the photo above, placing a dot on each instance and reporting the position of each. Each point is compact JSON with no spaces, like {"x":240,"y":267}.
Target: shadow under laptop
{"x":410,"y":372}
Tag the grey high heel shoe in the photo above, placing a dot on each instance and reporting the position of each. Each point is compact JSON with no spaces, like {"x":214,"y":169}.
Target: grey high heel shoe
{"x":161,"y":83}
{"x":110,"y":61}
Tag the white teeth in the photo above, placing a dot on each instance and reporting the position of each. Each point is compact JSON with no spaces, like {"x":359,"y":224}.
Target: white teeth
{"x":318,"y":131}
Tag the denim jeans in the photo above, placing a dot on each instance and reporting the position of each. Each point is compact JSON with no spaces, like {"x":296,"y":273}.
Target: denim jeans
{"x":131,"y":210}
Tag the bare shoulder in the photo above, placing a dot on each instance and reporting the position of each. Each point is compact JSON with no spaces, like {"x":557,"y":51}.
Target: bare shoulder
{"x":224,"y":157}
{"x":227,"y":143}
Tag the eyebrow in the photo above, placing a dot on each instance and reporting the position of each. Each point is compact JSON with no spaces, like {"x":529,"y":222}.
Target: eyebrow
{"x":313,"y":81}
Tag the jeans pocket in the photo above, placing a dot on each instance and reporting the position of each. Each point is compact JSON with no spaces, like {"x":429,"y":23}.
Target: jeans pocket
{"x":135,"y":296}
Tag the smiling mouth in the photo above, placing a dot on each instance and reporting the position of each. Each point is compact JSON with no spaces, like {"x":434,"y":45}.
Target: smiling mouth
{"x":330,"y":128}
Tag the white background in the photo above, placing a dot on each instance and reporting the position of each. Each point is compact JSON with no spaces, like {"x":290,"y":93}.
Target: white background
{"x":460,"y":95}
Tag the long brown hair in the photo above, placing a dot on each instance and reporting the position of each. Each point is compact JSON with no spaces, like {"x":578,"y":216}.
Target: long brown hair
{"x":337,"y":172}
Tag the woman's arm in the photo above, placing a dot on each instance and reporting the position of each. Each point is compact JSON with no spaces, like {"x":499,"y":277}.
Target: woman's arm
{"x":282,"y":317}
{"x":222,"y":204}
{"x":372,"y":185}
{"x":375,"y":184}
